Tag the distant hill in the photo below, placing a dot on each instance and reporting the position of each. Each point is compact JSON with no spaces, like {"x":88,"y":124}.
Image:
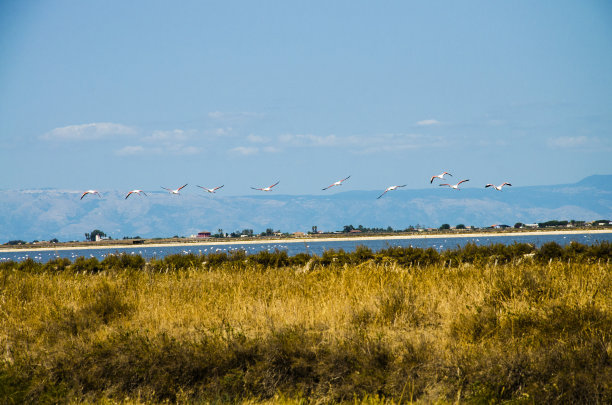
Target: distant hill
{"x":46,"y":214}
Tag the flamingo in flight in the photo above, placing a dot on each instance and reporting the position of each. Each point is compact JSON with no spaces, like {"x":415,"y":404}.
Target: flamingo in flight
{"x":455,"y":186}
{"x":139,"y":192}
{"x":266,"y":188}
{"x":498,"y":188}
{"x":439,"y":176}
{"x":338,"y":183}
{"x":174,"y":191}
{"x":390,"y":189}
{"x":211,"y":190}
{"x":90,"y":192}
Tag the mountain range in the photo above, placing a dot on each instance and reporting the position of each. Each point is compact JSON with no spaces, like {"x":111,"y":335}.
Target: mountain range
{"x":44,"y":214}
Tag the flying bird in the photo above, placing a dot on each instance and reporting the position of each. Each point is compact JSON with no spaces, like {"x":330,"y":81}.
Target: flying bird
{"x":390,"y":189}
{"x":498,"y":188}
{"x":266,"y":188}
{"x":174,"y":191}
{"x":211,"y":190}
{"x":139,"y":192}
{"x":338,"y":183}
{"x":90,"y":192}
{"x":455,"y":186}
{"x":440,"y":176}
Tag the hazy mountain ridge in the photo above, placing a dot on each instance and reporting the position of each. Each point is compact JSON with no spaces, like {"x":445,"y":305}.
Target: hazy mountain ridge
{"x":46,"y":214}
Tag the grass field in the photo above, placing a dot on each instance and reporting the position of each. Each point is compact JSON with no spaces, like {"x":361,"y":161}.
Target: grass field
{"x":474,"y":325}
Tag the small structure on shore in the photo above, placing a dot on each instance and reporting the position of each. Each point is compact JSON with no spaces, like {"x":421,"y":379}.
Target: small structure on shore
{"x":203,"y":234}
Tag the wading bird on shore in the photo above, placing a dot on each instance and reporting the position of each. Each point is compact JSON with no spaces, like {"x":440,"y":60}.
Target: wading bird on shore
{"x":338,"y":183}
{"x":439,"y":176}
{"x":174,"y":191}
{"x":90,"y":192}
{"x":455,"y":186}
{"x":139,"y":192}
{"x":210,"y":190}
{"x":390,"y":189}
{"x":498,"y":188}
{"x":266,"y":188}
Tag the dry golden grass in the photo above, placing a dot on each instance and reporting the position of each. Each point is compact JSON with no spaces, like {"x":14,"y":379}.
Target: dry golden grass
{"x":372,"y":333}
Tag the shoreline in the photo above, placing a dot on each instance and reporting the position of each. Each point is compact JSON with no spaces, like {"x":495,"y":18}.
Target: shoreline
{"x":309,"y":240}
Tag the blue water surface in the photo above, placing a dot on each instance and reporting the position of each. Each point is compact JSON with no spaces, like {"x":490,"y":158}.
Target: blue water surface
{"x":310,"y":247}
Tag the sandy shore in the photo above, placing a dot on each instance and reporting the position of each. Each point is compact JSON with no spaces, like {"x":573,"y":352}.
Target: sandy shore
{"x":309,"y":240}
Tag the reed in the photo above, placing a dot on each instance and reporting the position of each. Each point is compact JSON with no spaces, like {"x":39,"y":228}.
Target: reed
{"x":365,"y":327}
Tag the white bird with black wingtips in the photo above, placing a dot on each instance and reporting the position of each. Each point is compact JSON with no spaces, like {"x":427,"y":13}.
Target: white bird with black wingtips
{"x":139,"y":192}
{"x":440,"y":176}
{"x":174,"y":191}
{"x":455,"y":186}
{"x":90,"y":192}
{"x":498,"y":188}
{"x":210,"y":190}
{"x":266,"y":188}
{"x":390,"y":189}
{"x":338,"y":183}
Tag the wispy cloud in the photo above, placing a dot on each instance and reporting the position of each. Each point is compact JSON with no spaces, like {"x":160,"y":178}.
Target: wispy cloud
{"x":253,"y":150}
{"x":570,"y":141}
{"x":177,"y":149}
{"x":313,"y":140}
{"x":428,"y":122}
{"x":131,"y":150}
{"x":88,"y":132}
{"x":245,"y":150}
{"x":175,"y":135}
{"x":257,"y":139}
{"x":362,"y":144}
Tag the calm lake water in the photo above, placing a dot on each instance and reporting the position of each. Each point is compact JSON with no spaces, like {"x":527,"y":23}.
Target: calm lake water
{"x":310,"y":247}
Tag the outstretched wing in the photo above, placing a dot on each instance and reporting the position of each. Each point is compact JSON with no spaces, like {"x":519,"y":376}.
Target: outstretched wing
{"x":463,"y":181}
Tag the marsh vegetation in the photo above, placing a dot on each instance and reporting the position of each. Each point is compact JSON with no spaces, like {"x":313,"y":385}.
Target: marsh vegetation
{"x":476,"y":324}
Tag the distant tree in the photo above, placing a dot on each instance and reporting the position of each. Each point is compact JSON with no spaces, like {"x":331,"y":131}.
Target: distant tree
{"x":460,"y":226}
{"x":519,"y":225}
{"x":445,"y":226}
{"x":389,"y":229}
{"x":16,"y":242}
{"x":348,"y":228}
{"x":314,"y":229}
{"x":220,"y":232}
{"x":54,"y":240}
{"x":92,"y":236}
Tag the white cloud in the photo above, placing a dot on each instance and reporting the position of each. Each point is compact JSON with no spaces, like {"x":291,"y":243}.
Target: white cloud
{"x":168,"y":136}
{"x":257,"y":139}
{"x":219,"y":131}
{"x":271,"y":149}
{"x":428,"y":122}
{"x":130,"y":150}
{"x":245,"y":150}
{"x":312,"y":140}
{"x":362,"y":144}
{"x":569,"y":141}
{"x":177,"y":149}
{"x":88,"y":132}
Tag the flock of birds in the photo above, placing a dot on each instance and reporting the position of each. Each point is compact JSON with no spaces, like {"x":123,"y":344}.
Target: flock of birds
{"x":337,"y":183}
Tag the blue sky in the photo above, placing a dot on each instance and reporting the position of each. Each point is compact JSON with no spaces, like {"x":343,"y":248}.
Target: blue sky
{"x":142,"y":94}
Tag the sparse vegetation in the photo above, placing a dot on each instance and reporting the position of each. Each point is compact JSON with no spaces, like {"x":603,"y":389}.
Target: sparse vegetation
{"x":479,"y":324}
